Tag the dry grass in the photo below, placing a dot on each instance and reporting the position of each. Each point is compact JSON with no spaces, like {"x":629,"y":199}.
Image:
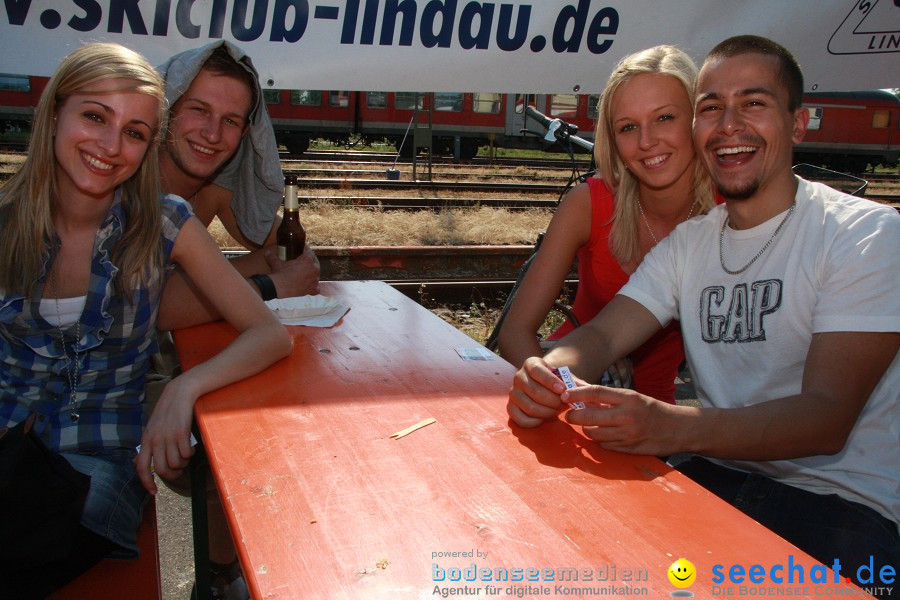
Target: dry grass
{"x":477,"y":320}
{"x":330,"y":225}
{"x":9,"y":164}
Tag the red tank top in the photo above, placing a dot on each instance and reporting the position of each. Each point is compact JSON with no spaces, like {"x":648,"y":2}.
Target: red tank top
{"x":599,"y":279}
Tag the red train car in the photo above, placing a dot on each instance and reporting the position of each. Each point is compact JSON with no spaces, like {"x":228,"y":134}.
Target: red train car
{"x":847,"y":132}
{"x":459,"y":123}
{"x":19,"y":94}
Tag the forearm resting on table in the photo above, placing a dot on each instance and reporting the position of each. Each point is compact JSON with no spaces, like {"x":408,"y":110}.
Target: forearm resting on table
{"x":184,"y":305}
{"x":251,"y":263}
{"x":782,"y":429}
{"x":251,"y":352}
{"x":842,"y":369}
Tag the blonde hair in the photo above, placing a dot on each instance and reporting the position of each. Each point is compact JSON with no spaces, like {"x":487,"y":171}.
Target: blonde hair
{"x":26,"y":200}
{"x":663,"y":60}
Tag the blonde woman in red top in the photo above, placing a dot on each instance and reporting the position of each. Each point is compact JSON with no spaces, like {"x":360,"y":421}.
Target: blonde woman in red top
{"x":649,"y":181}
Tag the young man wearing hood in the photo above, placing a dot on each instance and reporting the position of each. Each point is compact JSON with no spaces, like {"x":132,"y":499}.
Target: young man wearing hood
{"x":220,"y":154}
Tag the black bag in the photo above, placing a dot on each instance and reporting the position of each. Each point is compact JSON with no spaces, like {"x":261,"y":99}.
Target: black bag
{"x":41,"y":499}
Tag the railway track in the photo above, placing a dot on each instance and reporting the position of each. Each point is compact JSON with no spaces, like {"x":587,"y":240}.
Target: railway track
{"x":303,"y":169}
{"x":552,"y":161}
{"x":432,"y":203}
{"x":435,"y":186}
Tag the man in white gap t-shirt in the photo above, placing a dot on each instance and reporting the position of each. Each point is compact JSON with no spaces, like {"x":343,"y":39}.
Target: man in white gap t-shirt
{"x":787,"y":298}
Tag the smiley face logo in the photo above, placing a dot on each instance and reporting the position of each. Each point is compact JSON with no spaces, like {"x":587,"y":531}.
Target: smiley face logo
{"x":682,"y":573}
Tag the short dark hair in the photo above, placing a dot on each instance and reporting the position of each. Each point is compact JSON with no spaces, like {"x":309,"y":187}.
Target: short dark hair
{"x":789,"y":72}
{"x":221,"y":63}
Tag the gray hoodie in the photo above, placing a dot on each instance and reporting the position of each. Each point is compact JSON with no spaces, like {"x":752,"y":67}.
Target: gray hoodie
{"x":253,"y":175}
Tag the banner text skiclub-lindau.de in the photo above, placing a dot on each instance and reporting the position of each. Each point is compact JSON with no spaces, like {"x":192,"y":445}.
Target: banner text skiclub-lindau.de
{"x":436,"y":23}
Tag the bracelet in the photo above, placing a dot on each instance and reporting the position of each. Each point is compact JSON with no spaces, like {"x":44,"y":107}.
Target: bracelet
{"x":266,"y":286}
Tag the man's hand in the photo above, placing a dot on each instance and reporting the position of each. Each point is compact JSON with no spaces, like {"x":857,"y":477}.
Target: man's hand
{"x":625,"y":420}
{"x":534,"y":395}
{"x":298,"y":277}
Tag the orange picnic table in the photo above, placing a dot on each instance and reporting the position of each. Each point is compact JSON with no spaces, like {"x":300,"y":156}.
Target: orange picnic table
{"x":324,"y":503}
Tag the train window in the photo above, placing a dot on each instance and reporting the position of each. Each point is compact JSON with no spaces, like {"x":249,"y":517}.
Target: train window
{"x":520,"y":102}
{"x":448,"y":101}
{"x":15,"y":83}
{"x":306,"y":97}
{"x":272,"y":96}
{"x":815,"y":117}
{"x":881,"y":119}
{"x":339,"y":99}
{"x":405,"y":100}
{"x":593,"y":106}
{"x":376,"y":99}
{"x":486,"y":102}
{"x":564,"y":105}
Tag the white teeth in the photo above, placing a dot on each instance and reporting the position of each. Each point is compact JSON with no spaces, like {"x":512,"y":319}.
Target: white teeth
{"x":651,"y":162}
{"x":736,"y":150}
{"x":96,"y":163}
{"x":201,"y":149}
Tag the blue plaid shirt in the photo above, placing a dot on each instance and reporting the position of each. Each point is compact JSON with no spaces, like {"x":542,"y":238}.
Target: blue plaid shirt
{"x":118,"y":338}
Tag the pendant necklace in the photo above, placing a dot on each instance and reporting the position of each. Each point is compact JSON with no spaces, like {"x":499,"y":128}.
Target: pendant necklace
{"x":72,"y":374}
{"x":758,"y":254}
{"x":647,"y":224}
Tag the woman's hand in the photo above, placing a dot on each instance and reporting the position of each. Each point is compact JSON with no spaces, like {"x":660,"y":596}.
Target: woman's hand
{"x":534,"y":395}
{"x":166,"y":443}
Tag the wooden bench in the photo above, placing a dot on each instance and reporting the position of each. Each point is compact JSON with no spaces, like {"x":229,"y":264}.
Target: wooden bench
{"x":116,"y":579}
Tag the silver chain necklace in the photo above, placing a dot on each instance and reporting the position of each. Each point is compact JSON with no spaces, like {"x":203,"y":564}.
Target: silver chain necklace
{"x":758,"y":254}
{"x":647,"y":224}
{"x":72,"y":374}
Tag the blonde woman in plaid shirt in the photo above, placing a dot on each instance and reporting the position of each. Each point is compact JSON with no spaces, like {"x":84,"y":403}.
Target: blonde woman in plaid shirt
{"x":84,"y":245}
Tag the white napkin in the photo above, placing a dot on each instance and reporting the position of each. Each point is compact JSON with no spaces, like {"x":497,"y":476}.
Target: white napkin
{"x":312,"y":311}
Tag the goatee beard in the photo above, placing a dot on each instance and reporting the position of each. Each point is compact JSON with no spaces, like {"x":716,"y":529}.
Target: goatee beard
{"x":739,"y":192}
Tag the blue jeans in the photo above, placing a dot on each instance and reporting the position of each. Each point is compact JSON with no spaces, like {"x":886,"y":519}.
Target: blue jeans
{"x":115,"y":499}
{"x":825,"y":527}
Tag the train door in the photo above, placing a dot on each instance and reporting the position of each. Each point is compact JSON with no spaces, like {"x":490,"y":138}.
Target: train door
{"x":516,"y":120}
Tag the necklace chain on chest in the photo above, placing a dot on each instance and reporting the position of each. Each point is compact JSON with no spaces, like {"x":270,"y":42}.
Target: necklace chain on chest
{"x":647,"y":224}
{"x":72,"y":375}
{"x":758,"y":254}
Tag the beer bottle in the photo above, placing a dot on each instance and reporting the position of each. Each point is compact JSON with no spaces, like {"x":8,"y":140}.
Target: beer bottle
{"x":291,"y":236}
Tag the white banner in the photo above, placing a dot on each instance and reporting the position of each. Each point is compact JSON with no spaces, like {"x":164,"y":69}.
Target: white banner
{"x":544,"y":46}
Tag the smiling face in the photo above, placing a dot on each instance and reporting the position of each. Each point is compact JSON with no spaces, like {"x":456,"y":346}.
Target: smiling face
{"x":682,"y":573}
{"x":651,"y":124}
{"x":101,"y":138}
{"x":206,"y":127}
{"x":743,"y":128}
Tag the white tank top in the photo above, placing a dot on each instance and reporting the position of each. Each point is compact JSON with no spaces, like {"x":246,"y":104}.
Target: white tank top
{"x":69,"y":310}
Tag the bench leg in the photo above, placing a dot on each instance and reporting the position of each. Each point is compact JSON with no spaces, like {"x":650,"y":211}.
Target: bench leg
{"x":202,"y":579}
